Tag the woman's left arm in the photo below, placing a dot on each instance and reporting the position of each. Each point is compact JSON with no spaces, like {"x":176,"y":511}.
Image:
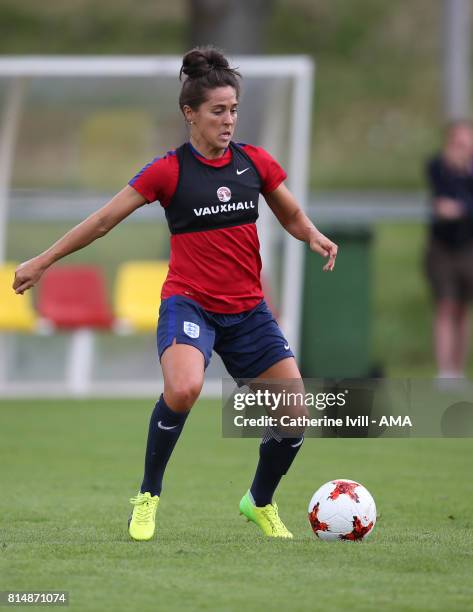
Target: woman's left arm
{"x":297,"y":223}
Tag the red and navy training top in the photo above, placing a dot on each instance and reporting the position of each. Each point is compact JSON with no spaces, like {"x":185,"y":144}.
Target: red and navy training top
{"x":211,"y":207}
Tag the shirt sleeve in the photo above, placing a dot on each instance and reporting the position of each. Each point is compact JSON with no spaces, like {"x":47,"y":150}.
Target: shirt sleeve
{"x":158,"y":179}
{"x":439,"y":181}
{"x":271,"y":173}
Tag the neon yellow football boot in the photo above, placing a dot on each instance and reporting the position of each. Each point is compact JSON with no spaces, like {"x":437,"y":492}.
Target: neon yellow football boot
{"x":266,"y":517}
{"x":141,"y":524}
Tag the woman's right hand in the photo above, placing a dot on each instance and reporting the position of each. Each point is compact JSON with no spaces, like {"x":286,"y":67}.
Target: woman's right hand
{"x":449,"y":209}
{"x":28,"y":274}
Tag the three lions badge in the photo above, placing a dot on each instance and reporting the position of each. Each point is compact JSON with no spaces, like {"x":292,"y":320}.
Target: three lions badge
{"x":191,"y":329}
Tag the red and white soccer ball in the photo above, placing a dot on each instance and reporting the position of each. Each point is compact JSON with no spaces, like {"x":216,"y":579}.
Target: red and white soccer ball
{"x":342,"y":510}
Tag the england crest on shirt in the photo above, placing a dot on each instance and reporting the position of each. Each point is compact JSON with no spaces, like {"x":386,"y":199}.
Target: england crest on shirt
{"x":191,"y":329}
{"x":224,"y":194}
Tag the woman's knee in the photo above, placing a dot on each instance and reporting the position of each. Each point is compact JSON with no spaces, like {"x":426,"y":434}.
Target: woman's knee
{"x":183,"y":371}
{"x":182,"y":394}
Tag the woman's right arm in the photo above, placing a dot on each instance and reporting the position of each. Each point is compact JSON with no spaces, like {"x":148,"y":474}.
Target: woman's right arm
{"x":444,"y":204}
{"x":95,"y":226}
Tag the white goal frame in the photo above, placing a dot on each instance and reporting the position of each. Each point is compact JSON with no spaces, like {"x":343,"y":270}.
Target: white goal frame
{"x":20,"y":69}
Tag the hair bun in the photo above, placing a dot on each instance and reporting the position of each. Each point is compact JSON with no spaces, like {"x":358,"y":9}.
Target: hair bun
{"x":201,"y":61}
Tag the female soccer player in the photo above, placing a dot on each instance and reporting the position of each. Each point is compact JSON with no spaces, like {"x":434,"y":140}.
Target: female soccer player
{"x":212,"y":297}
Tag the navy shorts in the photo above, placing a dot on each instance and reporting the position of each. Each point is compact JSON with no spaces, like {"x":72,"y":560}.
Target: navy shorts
{"x":248,"y":342}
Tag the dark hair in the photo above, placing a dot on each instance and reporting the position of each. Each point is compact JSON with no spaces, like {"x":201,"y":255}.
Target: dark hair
{"x":205,"y":68}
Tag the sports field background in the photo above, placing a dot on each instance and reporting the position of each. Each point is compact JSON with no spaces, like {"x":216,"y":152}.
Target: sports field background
{"x":377,"y":106}
{"x":68,"y":468}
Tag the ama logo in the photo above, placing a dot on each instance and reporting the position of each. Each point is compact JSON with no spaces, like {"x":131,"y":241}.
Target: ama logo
{"x":224,"y":194}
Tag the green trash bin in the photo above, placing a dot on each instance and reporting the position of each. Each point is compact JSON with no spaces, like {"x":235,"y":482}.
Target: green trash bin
{"x":336,"y":318}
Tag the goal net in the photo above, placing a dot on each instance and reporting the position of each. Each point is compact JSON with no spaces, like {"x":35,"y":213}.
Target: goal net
{"x":73,"y":132}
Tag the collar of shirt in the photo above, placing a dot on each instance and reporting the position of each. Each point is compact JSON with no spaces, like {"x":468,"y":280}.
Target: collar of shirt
{"x":219,"y":161}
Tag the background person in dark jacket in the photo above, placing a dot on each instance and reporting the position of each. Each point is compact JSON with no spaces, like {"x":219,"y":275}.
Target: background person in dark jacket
{"x":449,"y":260}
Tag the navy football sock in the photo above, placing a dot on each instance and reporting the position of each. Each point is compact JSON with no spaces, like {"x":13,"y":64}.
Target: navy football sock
{"x":165,"y":427}
{"x":276,"y":457}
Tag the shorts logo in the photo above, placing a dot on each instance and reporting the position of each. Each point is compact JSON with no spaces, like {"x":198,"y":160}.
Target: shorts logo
{"x":191,"y":329}
{"x":224,"y":194}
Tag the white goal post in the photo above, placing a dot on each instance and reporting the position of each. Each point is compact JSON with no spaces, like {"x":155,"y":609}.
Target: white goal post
{"x":17,"y":73}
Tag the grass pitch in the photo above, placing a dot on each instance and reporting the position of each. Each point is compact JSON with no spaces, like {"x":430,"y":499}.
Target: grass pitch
{"x":68,"y":468}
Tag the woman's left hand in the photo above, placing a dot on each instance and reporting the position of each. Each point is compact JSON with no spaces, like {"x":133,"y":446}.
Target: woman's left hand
{"x":323,"y":246}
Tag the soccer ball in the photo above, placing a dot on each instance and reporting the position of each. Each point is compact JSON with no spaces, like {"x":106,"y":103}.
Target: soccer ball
{"x":342,"y":510}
